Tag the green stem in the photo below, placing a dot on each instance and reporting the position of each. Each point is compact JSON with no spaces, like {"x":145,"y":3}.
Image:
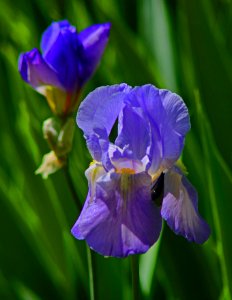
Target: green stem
{"x":135,"y":277}
{"x":91,"y":275}
{"x":226,"y":293}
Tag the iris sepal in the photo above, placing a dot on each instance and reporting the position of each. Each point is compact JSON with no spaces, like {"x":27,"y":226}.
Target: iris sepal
{"x":180,"y":207}
{"x":120,"y":219}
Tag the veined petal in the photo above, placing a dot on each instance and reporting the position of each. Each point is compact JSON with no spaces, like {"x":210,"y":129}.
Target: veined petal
{"x":179,"y":208}
{"x":177,"y":125}
{"x":97,"y":114}
{"x":147,"y":98}
{"x":93,"y":40}
{"x":134,"y":133}
{"x":35,"y":71}
{"x":176,"y":110}
{"x":121,"y":219}
{"x":61,"y":46}
{"x":101,"y":107}
{"x":169,"y":120}
{"x":95,"y":146}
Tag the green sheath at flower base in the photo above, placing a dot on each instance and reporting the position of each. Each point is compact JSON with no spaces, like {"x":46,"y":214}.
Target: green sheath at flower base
{"x":65,"y":138}
{"x":59,"y":137}
{"x":50,"y":164}
{"x":51,"y":130}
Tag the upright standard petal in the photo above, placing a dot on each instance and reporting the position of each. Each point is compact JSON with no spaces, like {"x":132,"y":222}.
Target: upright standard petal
{"x":93,"y":40}
{"x":169,"y":120}
{"x":35,"y":71}
{"x":51,"y":33}
{"x":134,"y":133}
{"x":177,"y":124}
{"x":147,"y":98}
{"x":61,"y":50}
{"x":176,"y":111}
{"x":121,"y":219}
{"x":179,"y":208}
{"x":97,"y":114}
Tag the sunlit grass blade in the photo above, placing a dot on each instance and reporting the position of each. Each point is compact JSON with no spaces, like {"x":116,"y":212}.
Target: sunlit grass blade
{"x":213,"y":172}
{"x":158,"y":33}
{"x":147,"y":267}
{"x":24,"y":293}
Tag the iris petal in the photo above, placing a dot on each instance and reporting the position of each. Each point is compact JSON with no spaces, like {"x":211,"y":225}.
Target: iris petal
{"x":169,"y":121}
{"x":51,"y":33}
{"x":93,"y":40}
{"x":134,"y":133}
{"x":97,"y":114}
{"x":180,"y":210}
{"x":35,"y":70}
{"x":147,"y":98}
{"x":61,"y":46}
{"x":176,"y":110}
{"x":122,"y":219}
{"x":177,"y":124}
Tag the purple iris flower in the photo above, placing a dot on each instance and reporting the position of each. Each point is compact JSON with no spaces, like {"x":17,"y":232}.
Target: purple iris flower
{"x":67,"y":61}
{"x":119,"y":217}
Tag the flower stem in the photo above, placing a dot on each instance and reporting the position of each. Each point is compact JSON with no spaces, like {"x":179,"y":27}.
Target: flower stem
{"x":135,"y":277}
{"x":91,"y":275}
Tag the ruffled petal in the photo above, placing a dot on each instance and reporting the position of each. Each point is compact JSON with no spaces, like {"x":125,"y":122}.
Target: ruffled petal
{"x":180,"y":210}
{"x":97,"y":114}
{"x":35,"y":71}
{"x":147,"y":98}
{"x":94,"y":40}
{"x":177,"y":112}
{"x":169,"y":120}
{"x":177,"y":125}
{"x":61,"y":50}
{"x":121,"y":219}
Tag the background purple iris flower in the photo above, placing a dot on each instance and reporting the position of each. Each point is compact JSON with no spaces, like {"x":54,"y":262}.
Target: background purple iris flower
{"x":119,"y":217}
{"x":67,"y":61}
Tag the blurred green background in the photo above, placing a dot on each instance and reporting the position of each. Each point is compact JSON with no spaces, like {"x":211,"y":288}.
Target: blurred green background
{"x":182,"y":45}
